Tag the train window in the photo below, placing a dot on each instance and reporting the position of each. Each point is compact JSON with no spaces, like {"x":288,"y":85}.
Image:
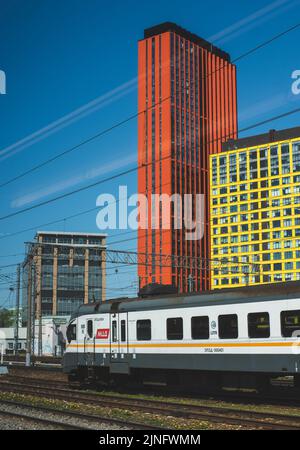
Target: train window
{"x":259,"y":325}
{"x":123,"y":330}
{"x":200,"y":327}
{"x":228,"y":326}
{"x":114,"y":330}
{"x":290,"y":322}
{"x":71,"y":332}
{"x":175,"y":328}
{"x":90,"y":328}
{"x":143,"y":330}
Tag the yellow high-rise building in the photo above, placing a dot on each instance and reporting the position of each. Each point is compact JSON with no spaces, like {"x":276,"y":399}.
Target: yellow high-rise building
{"x":255,"y":210}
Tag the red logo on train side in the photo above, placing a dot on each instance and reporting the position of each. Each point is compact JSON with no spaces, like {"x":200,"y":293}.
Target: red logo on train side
{"x":102,"y":333}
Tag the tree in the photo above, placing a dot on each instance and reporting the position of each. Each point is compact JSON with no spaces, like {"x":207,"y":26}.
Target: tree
{"x":7,"y":318}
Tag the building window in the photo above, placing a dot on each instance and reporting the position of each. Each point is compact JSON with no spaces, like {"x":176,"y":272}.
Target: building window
{"x":78,"y":240}
{"x":228,"y":326}
{"x":259,"y":325}
{"x":296,"y":157}
{"x":66,"y":305}
{"x":200,"y":327}
{"x":143,"y":330}
{"x":175,"y":328}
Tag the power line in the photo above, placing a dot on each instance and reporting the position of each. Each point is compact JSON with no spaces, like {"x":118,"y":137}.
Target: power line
{"x":73,"y":216}
{"x":9,"y":265}
{"x":11,"y":256}
{"x":68,"y":194}
{"x":7,"y":300}
{"x":134,"y":116}
{"x":75,"y":147}
{"x":198,"y":263}
{"x":47,"y":224}
{"x":269,"y":41}
{"x":7,"y":280}
{"x":134,"y":169}
{"x":69,"y":218}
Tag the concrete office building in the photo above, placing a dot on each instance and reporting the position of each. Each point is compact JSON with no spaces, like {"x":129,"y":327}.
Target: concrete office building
{"x":62,"y":270}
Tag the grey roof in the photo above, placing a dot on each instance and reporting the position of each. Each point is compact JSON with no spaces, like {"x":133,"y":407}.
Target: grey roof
{"x":170,"y":26}
{"x":250,"y":294}
{"x":72,"y":233}
{"x":262,"y":139}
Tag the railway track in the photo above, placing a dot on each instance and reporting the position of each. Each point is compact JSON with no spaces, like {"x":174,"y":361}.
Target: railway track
{"x":233,"y":397}
{"x":39,"y":420}
{"x":125,"y":424}
{"x":215,"y":414}
{"x":39,"y":366}
{"x":287,"y":399}
{"x":34,"y":359}
{"x":284,"y":395}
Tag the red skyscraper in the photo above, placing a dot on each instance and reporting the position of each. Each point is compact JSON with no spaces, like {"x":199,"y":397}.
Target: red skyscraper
{"x":187,"y":96}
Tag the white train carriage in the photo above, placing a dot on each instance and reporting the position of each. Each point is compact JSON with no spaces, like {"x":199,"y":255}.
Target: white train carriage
{"x":240,"y":337}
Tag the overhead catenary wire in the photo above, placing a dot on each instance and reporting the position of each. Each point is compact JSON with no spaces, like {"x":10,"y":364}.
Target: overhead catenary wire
{"x":134,"y":116}
{"x":12,"y":256}
{"x":134,"y":169}
{"x":64,"y":219}
{"x":69,"y":218}
{"x":162,"y":231}
{"x":198,"y":263}
{"x":245,"y":129}
{"x":277,"y":36}
{"x":158,"y":231}
{"x":6,"y":301}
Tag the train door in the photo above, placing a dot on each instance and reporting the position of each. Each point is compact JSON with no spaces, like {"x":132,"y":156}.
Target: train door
{"x":119,"y":338}
{"x":89,"y":342}
{"x":72,"y":335}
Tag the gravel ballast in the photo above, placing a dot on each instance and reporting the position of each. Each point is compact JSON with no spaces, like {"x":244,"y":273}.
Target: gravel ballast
{"x":11,"y":423}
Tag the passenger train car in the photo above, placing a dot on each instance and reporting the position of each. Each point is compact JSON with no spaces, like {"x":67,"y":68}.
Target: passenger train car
{"x":233,"y":337}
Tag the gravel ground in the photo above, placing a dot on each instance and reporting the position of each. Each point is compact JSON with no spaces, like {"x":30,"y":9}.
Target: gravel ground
{"x":39,"y":374}
{"x":11,"y":423}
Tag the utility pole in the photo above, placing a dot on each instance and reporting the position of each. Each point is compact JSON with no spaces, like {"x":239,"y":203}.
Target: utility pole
{"x":2,"y":353}
{"x":40,"y":346}
{"x":29,"y":314}
{"x":191,"y":282}
{"x":17,"y":310}
{"x":33,"y":310}
{"x":37,"y":301}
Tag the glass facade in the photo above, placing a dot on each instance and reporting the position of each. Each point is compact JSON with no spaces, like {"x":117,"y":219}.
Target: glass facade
{"x":255,"y":215}
{"x":178,"y":74}
{"x":68,"y":271}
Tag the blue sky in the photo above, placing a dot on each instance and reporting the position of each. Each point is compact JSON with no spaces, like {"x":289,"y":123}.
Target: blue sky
{"x":62,"y":55}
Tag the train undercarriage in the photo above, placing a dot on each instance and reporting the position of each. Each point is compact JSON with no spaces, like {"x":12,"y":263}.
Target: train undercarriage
{"x":184,"y":380}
